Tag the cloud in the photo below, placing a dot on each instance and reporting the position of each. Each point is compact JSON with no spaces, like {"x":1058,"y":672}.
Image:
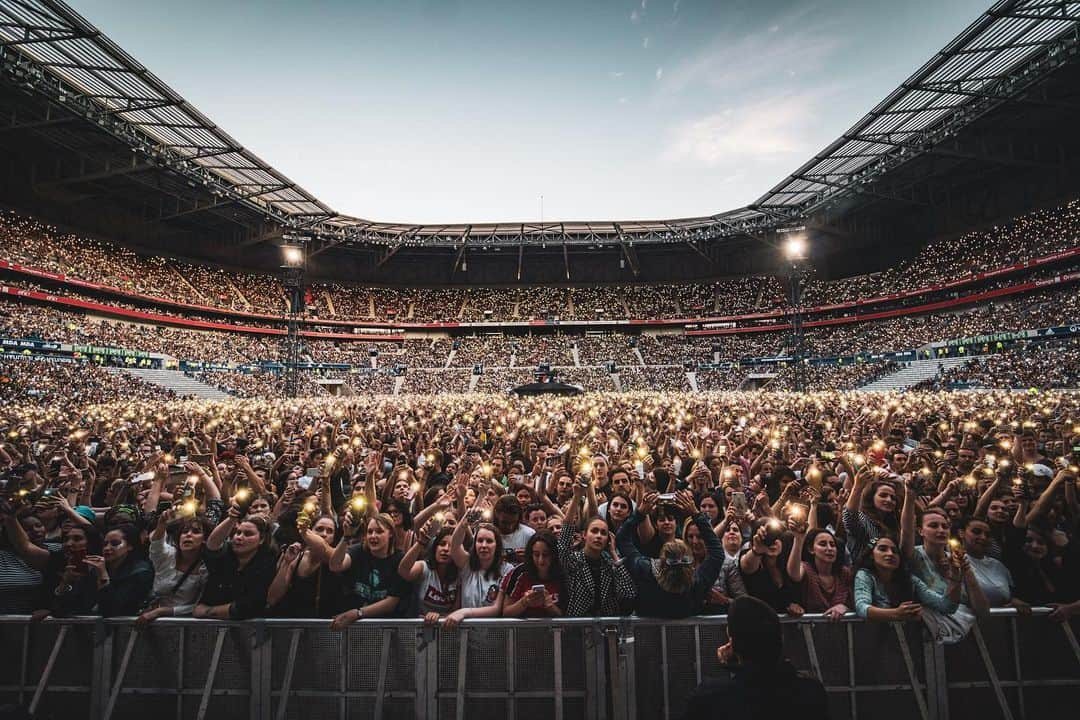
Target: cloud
{"x":769,"y":129}
{"x":659,"y":73}
{"x":615,"y":74}
{"x":675,"y":7}
{"x":635,"y":16}
{"x":645,"y":42}
{"x":738,"y":60}
{"x":623,"y":100}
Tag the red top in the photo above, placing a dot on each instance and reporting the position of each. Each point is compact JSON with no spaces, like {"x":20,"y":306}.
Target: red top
{"x":813,"y":596}
{"x":523,"y":582}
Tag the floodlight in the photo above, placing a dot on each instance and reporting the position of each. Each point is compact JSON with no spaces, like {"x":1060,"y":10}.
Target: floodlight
{"x":293,"y":255}
{"x":795,"y":247}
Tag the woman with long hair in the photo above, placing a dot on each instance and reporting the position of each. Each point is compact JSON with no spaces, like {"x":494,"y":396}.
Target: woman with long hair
{"x":304,"y":586}
{"x":886,"y":591}
{"x":123,"y":577}
{"x":871,"y":511}
{"x":372,"y":585}
{"x":68,"y":588}
{"x":932,"y":561}
{"x":436,"y":578}
{"x":176,"y":551}
{"x":816,"y":567}
{"x":594,"y":581}
{"x":239,"y":572}
{"x":400,"y":512}
{"x":482,"y":569}
{"x":763,"y":567}
{"x":535,"y":587}
{"x":619,"y":507}
{"x":1039,"y":580}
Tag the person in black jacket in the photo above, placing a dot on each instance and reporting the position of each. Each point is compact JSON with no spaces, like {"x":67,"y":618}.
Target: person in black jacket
{"x":760,"y":682}
{"x":122,"y":575}
{"x":669,"y":586}
{"x":240,"y":572}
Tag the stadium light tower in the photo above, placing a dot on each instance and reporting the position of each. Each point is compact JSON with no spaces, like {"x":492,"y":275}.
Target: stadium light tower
{"x":796,"y":251}
{"x":294,"y":263}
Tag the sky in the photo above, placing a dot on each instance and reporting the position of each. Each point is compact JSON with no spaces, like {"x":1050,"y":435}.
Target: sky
{"x":433,"y":111}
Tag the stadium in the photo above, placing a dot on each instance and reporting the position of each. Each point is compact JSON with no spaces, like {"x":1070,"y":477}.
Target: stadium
{"x":262,"y":456}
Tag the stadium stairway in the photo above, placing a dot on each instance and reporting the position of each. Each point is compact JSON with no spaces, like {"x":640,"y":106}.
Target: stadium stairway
{"x":176,"y":381}
{"x":914,"y":373}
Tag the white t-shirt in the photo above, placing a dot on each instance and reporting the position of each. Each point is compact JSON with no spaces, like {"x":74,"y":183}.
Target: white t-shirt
{"x":518,"y":539}
{"x":994,"y":579}
{"x":478,"y":590}
{"x":433,"y":596}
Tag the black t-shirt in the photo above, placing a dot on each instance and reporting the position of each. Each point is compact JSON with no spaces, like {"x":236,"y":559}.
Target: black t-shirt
{"x":243,"y":588}
{"x":370,"y":579}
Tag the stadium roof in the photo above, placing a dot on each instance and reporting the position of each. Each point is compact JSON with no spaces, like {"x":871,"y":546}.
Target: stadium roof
{"x":46,"y":47}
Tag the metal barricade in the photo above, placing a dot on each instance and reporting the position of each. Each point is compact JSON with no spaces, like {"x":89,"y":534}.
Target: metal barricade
{"x":595,"y":668}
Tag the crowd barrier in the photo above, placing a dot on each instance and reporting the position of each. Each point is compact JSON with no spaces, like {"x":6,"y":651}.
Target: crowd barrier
{"x":596,"y":668}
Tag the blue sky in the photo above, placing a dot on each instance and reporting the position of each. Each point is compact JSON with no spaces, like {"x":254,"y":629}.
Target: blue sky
{"x":470,"y":110}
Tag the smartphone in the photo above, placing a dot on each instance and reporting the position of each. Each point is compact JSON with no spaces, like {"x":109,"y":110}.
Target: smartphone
{"x":304,"y":482}
{"x":537,"y":588}
{"x":666,"y":498}
{"x":313,"y":472}
{"x":738,"y":501}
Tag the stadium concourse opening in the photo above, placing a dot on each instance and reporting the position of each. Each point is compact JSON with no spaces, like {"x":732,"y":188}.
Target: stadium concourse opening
{"x":259,"y":457}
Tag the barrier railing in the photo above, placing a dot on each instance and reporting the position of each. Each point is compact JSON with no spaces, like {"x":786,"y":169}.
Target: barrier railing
{"x":596,"y":668}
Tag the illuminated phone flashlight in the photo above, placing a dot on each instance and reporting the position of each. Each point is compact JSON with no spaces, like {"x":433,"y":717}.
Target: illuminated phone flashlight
{"x":970,"y":481}
{"x":858,"y":460}
{"x":403,"y":475}
{"x":486,"y":469}
{"x":954,"y":544}
{"x":486,"y":514}
{"x":796,"y":512}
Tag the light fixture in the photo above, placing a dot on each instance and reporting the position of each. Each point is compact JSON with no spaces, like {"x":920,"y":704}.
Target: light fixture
{"x":795,"y":247}
{"x":293,"y":255}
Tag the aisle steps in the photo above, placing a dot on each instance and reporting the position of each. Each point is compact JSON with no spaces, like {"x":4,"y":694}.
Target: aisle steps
{"x":915,"y":372}
{"x":176,"y":381}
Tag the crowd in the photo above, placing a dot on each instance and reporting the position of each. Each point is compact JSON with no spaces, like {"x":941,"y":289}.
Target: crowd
{"x":931,"y":507}
{"x":48,"y":383}
{"x":40,"y":246}
{"x":1043,"y":366}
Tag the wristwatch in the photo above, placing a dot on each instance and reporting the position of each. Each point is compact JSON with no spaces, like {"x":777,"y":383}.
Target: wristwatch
{"x":359,"y":613}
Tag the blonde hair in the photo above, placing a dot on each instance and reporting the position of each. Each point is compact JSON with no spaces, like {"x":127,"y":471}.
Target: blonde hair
{"x":676,"y":567}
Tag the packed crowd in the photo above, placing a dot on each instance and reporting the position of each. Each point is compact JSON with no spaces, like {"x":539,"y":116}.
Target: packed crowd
{"x":930,"y":507}
{"x":1052,"y":365}
{"x":48,"y":383}
{"x":39,"y":246}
